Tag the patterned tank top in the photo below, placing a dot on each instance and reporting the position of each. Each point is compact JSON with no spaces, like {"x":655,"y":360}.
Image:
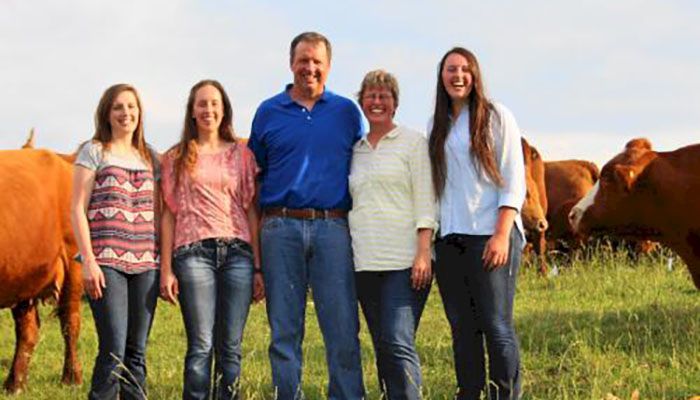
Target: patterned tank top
{"x":121,"y":212}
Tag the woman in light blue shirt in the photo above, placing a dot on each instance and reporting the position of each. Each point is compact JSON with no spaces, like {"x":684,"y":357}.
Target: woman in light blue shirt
{"x":479,"y":179}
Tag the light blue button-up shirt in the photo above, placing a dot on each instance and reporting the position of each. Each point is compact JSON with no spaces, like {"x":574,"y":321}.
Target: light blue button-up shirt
{"x":470,"y":201}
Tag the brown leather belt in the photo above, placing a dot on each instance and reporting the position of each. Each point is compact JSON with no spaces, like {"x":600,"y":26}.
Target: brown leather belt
{"x":304,"y":213}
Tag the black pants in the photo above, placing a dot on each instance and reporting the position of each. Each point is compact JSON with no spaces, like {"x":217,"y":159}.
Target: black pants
{"x":479,"y":305}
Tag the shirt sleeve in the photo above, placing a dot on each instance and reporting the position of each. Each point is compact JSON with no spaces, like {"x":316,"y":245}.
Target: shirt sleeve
{"x":424,"y":206}
{"x":255,"y":143}
{"x":90,"y":155}
{"x":358,"y":126}
{"x":509,"y":154}
{"x":249,"y":177}
{"x":167,"y":183}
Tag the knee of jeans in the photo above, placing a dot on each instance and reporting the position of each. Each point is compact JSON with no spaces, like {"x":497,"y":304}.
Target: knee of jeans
{"x":111,"y":354}
{"x":198,"y":366}
{"x":394,"y":348}
{"x":135,"y":362}
{"x":231,"y":350}
{"x":499,"y":331}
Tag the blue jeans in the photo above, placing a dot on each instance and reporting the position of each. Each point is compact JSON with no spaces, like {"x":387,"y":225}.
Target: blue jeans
{"x":216,"y":284}
{"x":393,"y":310}
{"x":298,"y":254}
{"x":123,"y":317}
{"x":479,"y":304}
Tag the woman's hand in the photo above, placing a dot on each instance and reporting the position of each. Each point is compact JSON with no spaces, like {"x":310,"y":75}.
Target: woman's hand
{"x":258,"y":287}
{"x":422,"y":271}
{"x":93,"y":279}
{"x":169,"y":287}
{"x":496,"y":251}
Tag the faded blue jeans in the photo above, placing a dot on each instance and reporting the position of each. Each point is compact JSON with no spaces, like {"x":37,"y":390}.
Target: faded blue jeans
{"x":123,"y":317}
{"x":216,"y":285}
{"x":297,"y":255}
{"x":392,"y":310}
{"x":479,"y":304}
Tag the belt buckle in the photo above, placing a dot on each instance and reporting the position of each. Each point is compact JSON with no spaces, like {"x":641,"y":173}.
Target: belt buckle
{"x":313,"y":213}
{"x":284,"y":212}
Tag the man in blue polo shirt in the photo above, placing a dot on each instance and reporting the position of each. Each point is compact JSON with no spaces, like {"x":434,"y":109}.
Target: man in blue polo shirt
{"x":302,"y":139}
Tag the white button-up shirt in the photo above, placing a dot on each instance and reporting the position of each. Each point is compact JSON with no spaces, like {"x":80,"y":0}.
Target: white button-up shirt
{"x":392,"y":197}
{"x":470,"y":201}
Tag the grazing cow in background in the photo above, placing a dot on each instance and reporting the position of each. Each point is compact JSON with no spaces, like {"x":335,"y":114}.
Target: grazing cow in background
{"x":36,"y":249}
{"x":649,"y":195}
{"x":568,"y":181}
{"x":534,"y":209}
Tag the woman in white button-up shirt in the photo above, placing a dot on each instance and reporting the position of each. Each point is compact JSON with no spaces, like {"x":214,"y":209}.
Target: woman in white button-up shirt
{"x":391,"y":223}
{"x":479,"y":179}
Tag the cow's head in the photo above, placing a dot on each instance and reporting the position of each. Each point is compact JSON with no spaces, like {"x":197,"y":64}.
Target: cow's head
{"x":607,"y":204}
{"x":534,"y":210}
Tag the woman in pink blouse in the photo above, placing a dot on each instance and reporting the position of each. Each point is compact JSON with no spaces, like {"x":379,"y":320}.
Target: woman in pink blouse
{"x":210,"y":256}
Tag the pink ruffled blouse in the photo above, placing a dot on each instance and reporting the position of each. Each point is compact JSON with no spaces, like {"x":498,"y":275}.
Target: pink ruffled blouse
{"x":213,"y":201}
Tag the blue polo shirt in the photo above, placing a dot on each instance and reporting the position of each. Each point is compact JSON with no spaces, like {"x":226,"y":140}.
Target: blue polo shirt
{"x":304,"y":156}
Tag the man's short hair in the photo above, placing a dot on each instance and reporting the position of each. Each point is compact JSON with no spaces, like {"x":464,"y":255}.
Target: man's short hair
{"x":310,"y":37}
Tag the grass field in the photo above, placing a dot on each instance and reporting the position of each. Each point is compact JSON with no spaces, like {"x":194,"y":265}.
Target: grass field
{"x":604,"y":325}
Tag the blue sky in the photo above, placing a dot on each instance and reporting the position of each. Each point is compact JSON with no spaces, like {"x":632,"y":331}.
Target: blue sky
{"x":581,"y":77}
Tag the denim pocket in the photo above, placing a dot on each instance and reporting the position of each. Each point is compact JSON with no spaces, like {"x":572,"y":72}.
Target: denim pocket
{"x":239,"y":247}
{"x":339,"y":222}
{"x":189,"y":249}
{"x":271,"y":223}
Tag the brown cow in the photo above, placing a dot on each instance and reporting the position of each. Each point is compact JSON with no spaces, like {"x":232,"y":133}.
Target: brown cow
{"x":535,"y":207}
{"x":649,"y":195}
{"x":36,"y":245}
{"x":568,"y":181}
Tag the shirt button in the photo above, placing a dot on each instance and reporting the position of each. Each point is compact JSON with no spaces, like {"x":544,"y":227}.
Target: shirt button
{"x":303,"y":110}
{"x":308,"y":117}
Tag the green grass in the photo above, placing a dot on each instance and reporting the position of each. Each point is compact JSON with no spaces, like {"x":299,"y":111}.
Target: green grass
{"x":604,"y":325}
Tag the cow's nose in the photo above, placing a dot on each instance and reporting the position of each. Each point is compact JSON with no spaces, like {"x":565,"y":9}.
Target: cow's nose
{"x":542,"y":225}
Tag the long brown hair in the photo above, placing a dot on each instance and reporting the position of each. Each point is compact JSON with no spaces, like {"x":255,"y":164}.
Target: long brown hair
{"x":103,"y":129}
{"x":480,"y":138}
{"x":184,"y":153}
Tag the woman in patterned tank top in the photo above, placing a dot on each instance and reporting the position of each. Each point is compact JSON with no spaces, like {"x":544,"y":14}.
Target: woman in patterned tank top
{"x":114,"y":213}
{"x":211,"y":261}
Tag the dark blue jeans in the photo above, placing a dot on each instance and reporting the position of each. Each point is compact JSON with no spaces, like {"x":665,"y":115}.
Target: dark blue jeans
{"x":123,"y":317}
{"x":216,"y":285}
{"x":479,"y":304}
{"x":298,"y":254}
{"x":392,"y":310}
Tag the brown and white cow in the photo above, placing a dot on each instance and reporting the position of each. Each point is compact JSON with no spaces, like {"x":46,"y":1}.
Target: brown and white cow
{"x":568,"y":181}
{"x":36,"y":245}
{"x":534,"y":209}
{"x":649,"y":195}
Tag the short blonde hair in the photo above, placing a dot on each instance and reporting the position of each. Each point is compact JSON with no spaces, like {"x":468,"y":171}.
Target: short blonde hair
{"x":381,"y":79}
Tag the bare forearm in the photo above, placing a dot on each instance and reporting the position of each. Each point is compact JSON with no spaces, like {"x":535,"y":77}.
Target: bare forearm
{"x":167,"y":233}
{"x":254,"y":224}
{"x":506,"y":218}
{"x":425,"y":237}
{"x":81,"y":230}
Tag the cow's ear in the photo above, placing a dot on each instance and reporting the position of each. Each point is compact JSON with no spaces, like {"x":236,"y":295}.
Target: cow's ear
{"x":626,"y":176}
